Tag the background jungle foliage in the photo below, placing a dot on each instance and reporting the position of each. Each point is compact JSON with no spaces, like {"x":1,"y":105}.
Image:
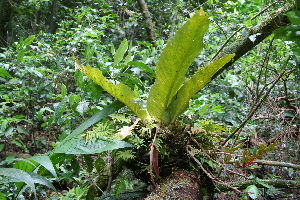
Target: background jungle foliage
{"x":64,"y":137}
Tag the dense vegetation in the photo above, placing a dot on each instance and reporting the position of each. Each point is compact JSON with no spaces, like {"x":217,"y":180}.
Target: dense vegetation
{"x":71,"y":131}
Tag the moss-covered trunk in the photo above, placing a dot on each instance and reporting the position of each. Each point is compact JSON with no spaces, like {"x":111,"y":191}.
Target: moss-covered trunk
{"x":180,"y":185}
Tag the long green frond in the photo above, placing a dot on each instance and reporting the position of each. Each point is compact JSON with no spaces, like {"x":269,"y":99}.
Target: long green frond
{"x":173,"y":63}
{"x":193,"y":85}
{"x":120,"y":91}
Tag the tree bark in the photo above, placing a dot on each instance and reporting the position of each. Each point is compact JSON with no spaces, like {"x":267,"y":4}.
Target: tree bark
{"x":5,"y":15}
{"x":53,"y":19}
{"x":180,"y":185}
{"x":146,"y":15}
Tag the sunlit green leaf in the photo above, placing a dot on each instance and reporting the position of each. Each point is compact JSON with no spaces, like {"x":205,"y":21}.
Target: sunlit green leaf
{"x":294,"y":17}
{"x":2,"y":196}
{"x":4,"y":73}
{"x":192,"y":86}
{"x":120,"y":91}
{"x":120,"y":52}
{"x":29,"y":40}
{"x":63,"y":90}
{"x":173,"y":63}
{"x":253,"y":191}
{"x":45,"y":162}
{"x":20,"y":56}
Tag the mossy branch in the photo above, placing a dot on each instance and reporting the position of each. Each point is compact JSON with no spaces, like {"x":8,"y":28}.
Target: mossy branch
{"x":264,"y":29}
{"x":277,"y":183}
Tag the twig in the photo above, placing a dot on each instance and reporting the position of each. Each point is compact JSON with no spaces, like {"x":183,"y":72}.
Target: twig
{"x":226,"y":42}
{"x":263,"y":10}
{"x":252,"y":111}
{"x":213,"y":178}
{"x":213,"y":160}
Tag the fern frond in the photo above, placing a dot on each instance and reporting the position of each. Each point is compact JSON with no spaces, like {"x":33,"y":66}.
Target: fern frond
{"x":120,"y":118}
{"x":125,"y":155}
{"x":100,"y":130}
{"x":211,"y":126}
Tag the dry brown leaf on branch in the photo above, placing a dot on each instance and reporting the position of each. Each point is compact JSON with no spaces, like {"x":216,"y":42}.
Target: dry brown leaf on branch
{"x":126,"y":130}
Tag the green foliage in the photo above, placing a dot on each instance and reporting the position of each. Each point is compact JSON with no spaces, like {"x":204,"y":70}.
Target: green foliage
{"x":30,"y":178}
{"x":42,"y":96}
{"x":170,"y":94}
{"x":121,"y":91}
{"x":80,"y":146}
{"x":100,"y":130}
{"x":75,"y":143}
{"x":120,"y":118}
{"x":125,"y":154}
{"x":211,"y":126}
{"x":291,"y":32}
{"x":173,"y":64}
{"x":253,"y":191}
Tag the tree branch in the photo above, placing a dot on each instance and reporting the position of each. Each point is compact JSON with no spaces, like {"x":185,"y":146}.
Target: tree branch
{"x":276,"y":163}
{"x":262,"y":30}
{"x":286,"y":184}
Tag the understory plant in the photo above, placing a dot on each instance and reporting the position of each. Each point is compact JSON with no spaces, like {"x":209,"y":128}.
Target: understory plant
{"x":160,"y":131}
{"x":169,"y":96}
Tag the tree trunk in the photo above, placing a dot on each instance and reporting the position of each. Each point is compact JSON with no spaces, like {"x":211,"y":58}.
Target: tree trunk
{"x":53,"y":19}
{"x":146,"y":15}
{"x":180,"y":185}
{"x":5,"y":15}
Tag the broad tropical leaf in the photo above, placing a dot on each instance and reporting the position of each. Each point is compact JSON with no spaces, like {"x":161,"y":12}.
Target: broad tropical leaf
{"x":120,"y":91}
{"x":192,"y":86}
{"x":96,"y":118}
{"x":17,"y":175}
{"x":45,"y":162}
{"x":173,"y":63}
{"x":30,"y":178}
{"x":78,"y":145}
